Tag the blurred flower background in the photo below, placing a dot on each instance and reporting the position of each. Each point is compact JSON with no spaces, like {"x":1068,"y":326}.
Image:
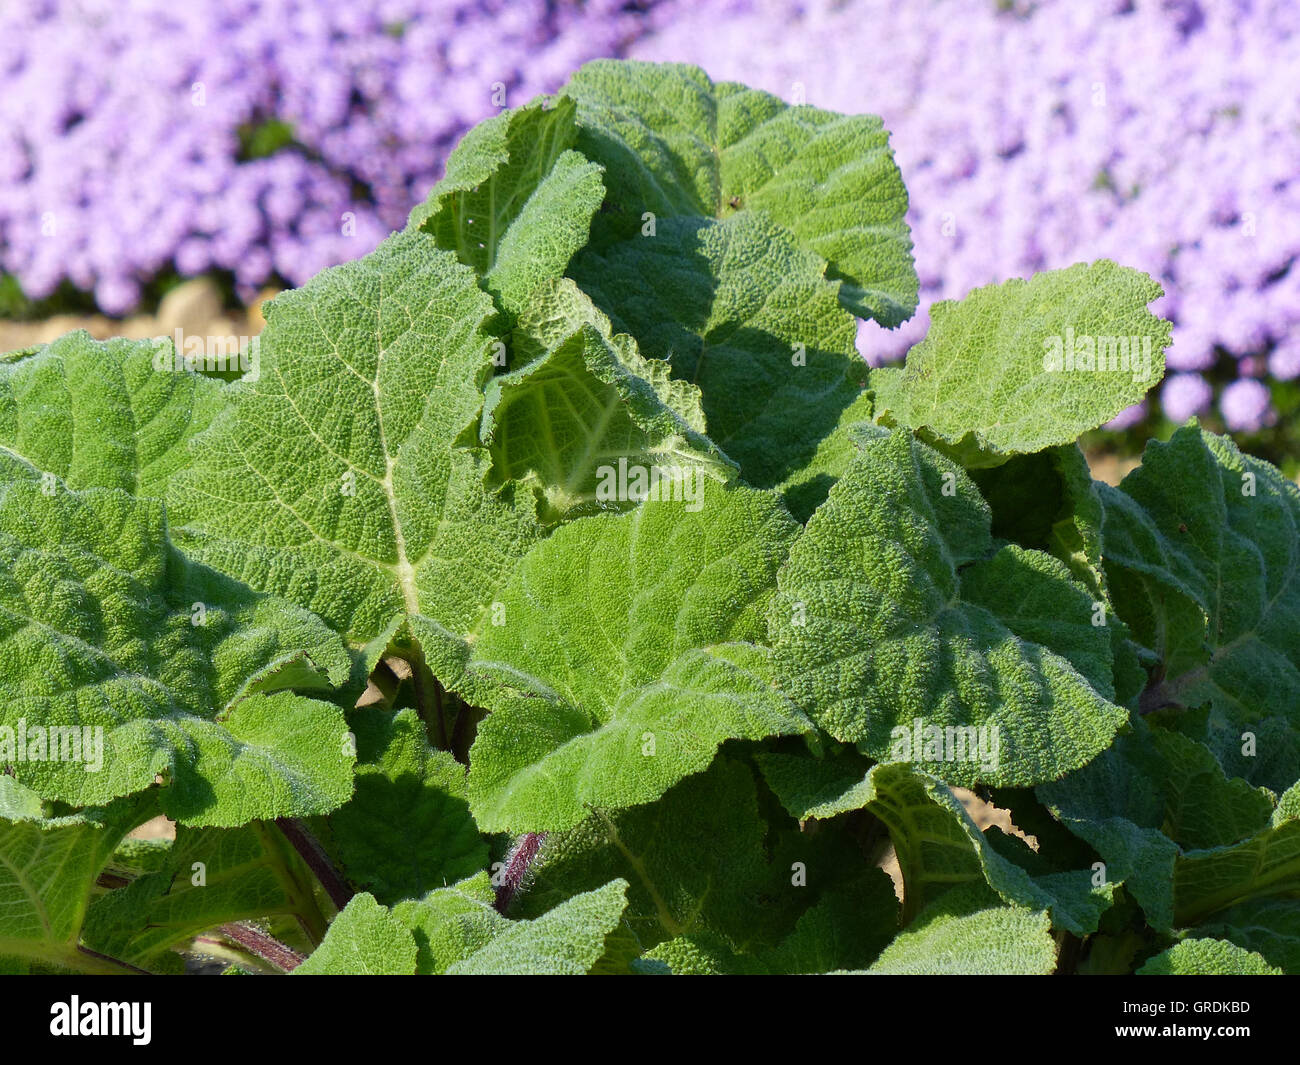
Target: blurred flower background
{"x":255,"y":142}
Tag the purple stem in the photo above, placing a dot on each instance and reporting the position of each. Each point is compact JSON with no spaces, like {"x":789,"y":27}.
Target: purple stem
{"x":263,"y":946}
{"x":317,"y":860}
{"x":525,"y":850}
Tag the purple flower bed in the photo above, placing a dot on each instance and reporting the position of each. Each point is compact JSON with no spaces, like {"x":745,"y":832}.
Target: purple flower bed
{"x":1162,"y":135}
{"x":121,"y":125}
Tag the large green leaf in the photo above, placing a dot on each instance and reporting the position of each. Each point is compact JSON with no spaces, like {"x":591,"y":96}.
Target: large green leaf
{"x":455,"y":931}
{"x":986,"y":377}
{"x":336,"y":479}
{"x":892,"y":630}
{"x":365,"y":939}
{"x":1269,"y":927}
{"x":115,"y":414}
{"x":516,"y":201}
{"x":567,"y":941}
{"x":695,"y":862}
{"x":622,"y":660}
{"x":1203,"y":548}
{"x":846,"y":929}
{"x":121,"y":661}
{"x":1265,"y":865}
{"x":48,"y":867}
{"x":673,"y":143}
{"x":738,"y":309}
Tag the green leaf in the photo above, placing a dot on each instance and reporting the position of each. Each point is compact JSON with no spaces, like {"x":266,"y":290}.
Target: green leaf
{"x":1267,"y":864}
{"x":459,"y":933}
{"x":567,"y":941}
{"x":694,"y":861}
{"x":984,"y":378}
{"x":408,"y":828}
{"x":1049,"y":502}
{"x":1203,"y":547}
{"x":576,"y":421}
{"x":121,"y":661}
{"x":516,"y":202}
{"x":935,"y":840}
{"x":846,"y":929}
{"x":739,"y":310}
{"x":673,"y":143}
{"x":363,"y":940}
{"x":644,"y":687}
{"x":1269,"y":927}
{"x":1183,"y":838}
{"x":558,"y":309}
{"x":337,"y":481}
{"x":806,"y":488}
{"x":450,"y":924}
{"x":968,"y":931}
{"x":1207,"y":957}
{"x":885,"y":632}
{"x":210,"y":877}
{"x":48,"y":867}
{"x":114,"y":414}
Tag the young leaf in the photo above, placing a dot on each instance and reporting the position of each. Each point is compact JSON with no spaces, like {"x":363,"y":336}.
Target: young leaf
{"x":1207,"y":957}
{"x":741,"y":311}
{"x":569,"y":422}
{"x":883,"y":628}
{"x":516,"y":202}
{"x":642,"y":687}
{"x":673,"y":143}
{"x":363,"y":940}
{"x":968,"y":931}
{"x":997,"y":372}
{"x":1049,"y":502}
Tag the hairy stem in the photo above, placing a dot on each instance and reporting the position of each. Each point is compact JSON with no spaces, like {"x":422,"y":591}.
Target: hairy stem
{"x":316,"y":860}
{"x":264,"y":946}
{"x":521,"y":857}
